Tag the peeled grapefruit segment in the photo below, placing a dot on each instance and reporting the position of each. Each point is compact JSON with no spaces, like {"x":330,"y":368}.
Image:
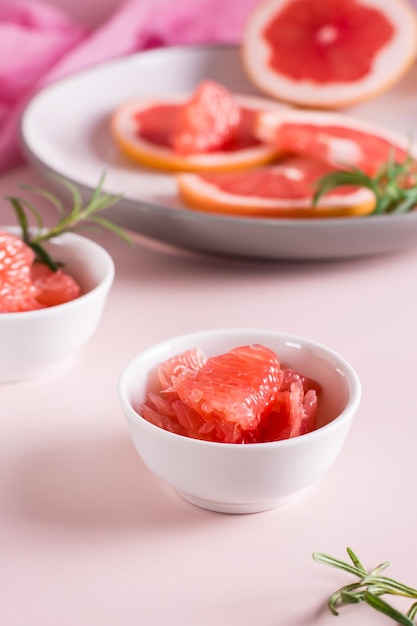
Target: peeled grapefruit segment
{"x":283,"y":190}
{"x":328,"y":53}
{"x":54,"y":287}
{"x":242,"y":396}
{"x":236,"y":387}
{"x":334,"y":138}
{"x":27,"y":285}
{"x":209,"y":121}
{"x":146,"y":130}
{"x":221,"y":398}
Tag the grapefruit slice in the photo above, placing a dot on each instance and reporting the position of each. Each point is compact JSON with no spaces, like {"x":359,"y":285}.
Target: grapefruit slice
{"x":283,"y":190}
{"x":328,"y":53}
{"x":334,"y":138}
{"x":146,"y":130}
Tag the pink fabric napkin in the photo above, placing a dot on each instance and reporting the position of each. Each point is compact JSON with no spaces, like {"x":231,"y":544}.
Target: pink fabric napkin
{"x":40,"y":43}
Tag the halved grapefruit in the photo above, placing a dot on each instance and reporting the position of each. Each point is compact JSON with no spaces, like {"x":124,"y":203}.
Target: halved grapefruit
{"x":283,"y":190}
{"x":328,"y":53}
{"x":334,"y":138}
{"x":146,"y":130}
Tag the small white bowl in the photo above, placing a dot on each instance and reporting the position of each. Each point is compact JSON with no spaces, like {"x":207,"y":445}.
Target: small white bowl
{"x":34,"y":343}
{"x":235,"y":478}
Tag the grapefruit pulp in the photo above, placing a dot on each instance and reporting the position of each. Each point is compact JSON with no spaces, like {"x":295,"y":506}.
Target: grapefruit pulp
{"x":54,"y":287}
{"x":242,"y":396}
{"x":208,"y":121}
{"x":28,"y":285}
{"x":328,"y":53}
{"x":17,"y":292}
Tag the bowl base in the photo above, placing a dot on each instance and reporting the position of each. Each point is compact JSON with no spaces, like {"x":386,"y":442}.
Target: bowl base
{"x":241,"y":508}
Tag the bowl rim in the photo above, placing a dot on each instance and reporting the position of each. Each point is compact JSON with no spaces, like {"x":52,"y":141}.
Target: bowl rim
{"x":353,"y":383}
{"x":73,"y":239}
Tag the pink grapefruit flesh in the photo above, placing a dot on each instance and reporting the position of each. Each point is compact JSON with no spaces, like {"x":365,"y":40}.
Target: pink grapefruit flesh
{"x":282,"y":190}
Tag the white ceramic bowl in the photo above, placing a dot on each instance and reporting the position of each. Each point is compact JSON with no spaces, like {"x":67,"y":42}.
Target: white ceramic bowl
{"x":234,"y":478}
{"x":34,"y":343}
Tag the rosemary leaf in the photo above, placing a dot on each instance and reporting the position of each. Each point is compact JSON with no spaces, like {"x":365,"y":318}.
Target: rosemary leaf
{"x":356,"y":562}
{"x":412,"y":611}
{"x":19,"y":210}
{"x":394,"y":185}
{"x":110,"y":226}
{"x":79,"y":214}
{"x":46,"y":194}
{"x":369,"y":588}
{"x":376,"y":602}
{"x":42,"y":256}
{"x":354,"y":178}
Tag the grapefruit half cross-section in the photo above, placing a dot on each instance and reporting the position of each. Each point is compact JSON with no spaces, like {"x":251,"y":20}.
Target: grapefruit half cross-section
{"x":283,"y":190}
{"x":328,"y":53}
{"x":145,"y":131}
{"x":334,"y":138}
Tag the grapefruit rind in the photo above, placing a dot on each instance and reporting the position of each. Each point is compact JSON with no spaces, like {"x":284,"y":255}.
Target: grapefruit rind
{"x":391,"y":63}
{"x":146,"y":154}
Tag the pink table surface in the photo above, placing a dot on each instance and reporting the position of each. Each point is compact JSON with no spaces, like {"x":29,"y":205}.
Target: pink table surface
{"x":89,"y":536}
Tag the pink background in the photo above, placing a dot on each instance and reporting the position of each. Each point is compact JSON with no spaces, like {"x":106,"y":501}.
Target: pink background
{"x":89,"y":537}
{"x":91,"y":13}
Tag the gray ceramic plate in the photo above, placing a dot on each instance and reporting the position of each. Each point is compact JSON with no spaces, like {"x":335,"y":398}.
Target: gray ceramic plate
{"x":64,"y":130}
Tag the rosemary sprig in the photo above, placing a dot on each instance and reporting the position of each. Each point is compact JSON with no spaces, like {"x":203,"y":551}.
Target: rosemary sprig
{"x":370,"y":587}
{"x":79,"y":215}
{"x":394,"y":185}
